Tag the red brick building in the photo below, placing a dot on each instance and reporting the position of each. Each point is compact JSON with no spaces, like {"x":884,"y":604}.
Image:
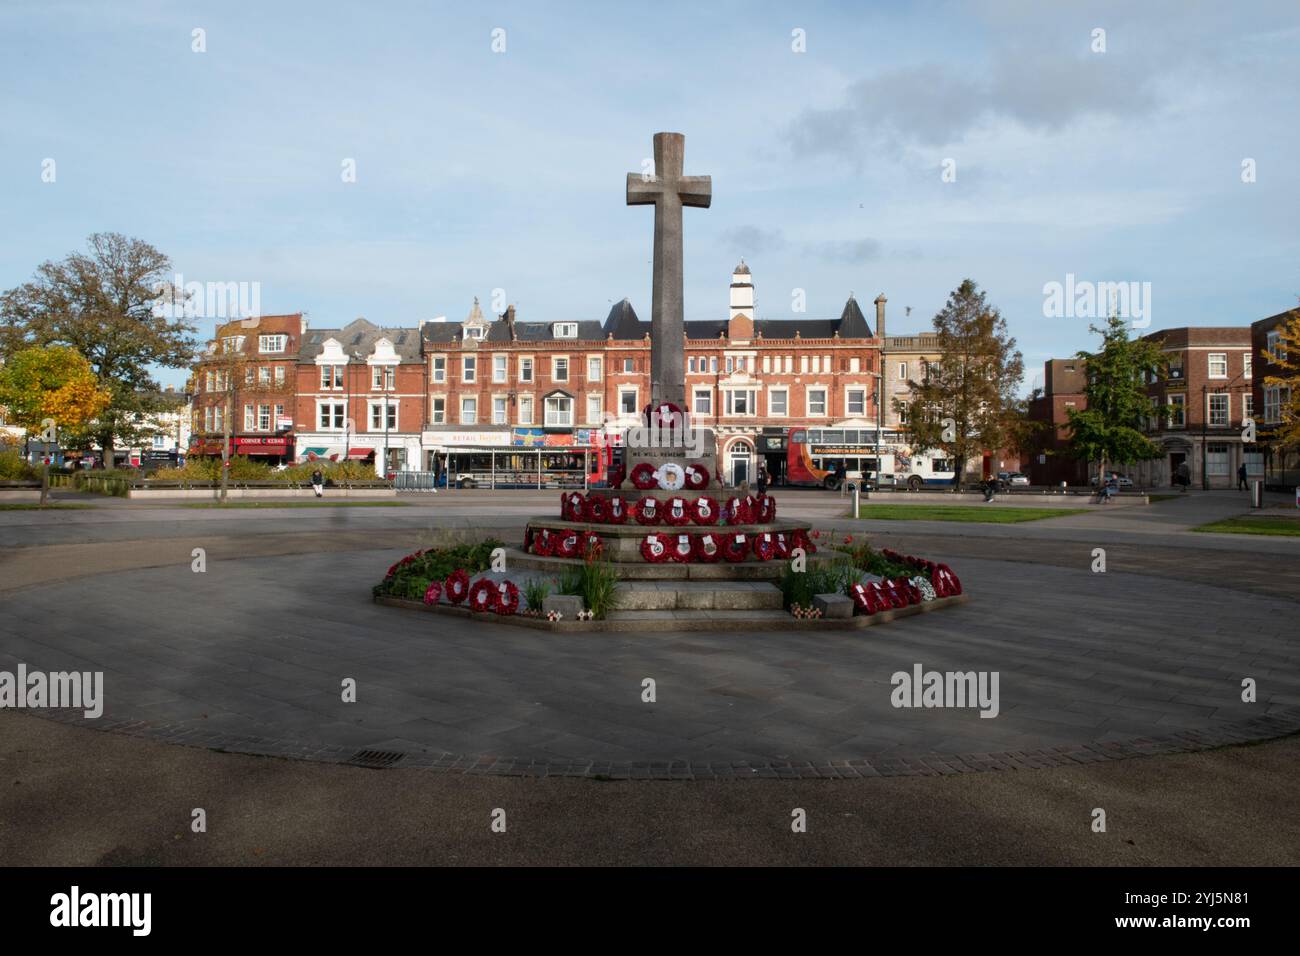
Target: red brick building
{"x":250,"y":368}
{"x":1281,"y":468}
{"x":1064,"y":385}
{"x":361,"y":396}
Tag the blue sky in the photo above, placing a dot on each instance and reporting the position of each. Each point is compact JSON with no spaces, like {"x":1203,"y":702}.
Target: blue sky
{"x":479,"y":170}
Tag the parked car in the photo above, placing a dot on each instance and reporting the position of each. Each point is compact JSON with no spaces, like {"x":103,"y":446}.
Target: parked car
{"x":1123,"y":481}
{"x":1013,"y":479}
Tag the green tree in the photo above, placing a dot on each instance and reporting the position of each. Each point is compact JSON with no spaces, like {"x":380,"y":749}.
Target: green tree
{"x":51,"y":387}
{"x":1285,"y":357}
{"x":102,"y":303}
{"x":1109,"y":430}
{"x":965,"y":403}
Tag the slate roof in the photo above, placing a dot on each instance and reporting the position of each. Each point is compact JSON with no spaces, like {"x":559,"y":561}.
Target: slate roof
{"x":361,"y":335}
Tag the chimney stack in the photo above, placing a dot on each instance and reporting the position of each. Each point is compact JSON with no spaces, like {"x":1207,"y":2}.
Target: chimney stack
{"x":510,"y":322}
{"x":880,"y":316}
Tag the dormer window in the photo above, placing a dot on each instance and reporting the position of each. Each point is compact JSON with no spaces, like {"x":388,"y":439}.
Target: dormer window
{"x":565,"y":330}
{"x":474,"y":332}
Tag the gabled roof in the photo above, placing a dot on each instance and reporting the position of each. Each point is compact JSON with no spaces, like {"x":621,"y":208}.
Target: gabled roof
{"x":360,"y":336}
{"x":622,"y":322}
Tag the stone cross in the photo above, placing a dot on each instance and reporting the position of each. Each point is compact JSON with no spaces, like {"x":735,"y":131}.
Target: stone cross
{"x":669,"y":191}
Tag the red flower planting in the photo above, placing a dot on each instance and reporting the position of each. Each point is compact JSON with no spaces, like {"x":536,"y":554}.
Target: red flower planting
{"x":593,"y":545}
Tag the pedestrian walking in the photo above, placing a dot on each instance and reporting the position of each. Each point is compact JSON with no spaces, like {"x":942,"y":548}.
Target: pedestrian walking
{"x":318,"y":483}
{"x":1184,"y":476}
{"x":1241,"y":477}
{"x":762,"y":480}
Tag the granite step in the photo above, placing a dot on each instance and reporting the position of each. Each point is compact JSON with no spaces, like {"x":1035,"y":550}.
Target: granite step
{"x":698,"y":595}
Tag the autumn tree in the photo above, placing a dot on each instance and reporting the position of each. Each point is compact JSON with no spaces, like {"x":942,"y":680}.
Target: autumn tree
{"x":102,"y":304}
{"x":965,"y":403}
{"x":1109,"y":430}
{"x":51,"y":389}
{"x":1284,"y":435}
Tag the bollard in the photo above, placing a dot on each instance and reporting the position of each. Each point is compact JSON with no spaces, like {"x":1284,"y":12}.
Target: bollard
{"x":857,"y":505}
{"x":1257,"y":494}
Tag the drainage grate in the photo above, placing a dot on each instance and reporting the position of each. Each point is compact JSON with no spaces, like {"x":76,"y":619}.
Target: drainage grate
{"x":374,"y":759}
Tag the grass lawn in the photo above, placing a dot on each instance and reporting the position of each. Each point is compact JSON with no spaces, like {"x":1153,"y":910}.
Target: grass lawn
{"x":1253,"y":526}
{"x":973,"y":513}
{"x":29,"y":506}
{"x":323,"y":503}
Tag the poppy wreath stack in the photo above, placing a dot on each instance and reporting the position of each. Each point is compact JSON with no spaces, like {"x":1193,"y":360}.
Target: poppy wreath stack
{"x":704,"y":510}
{"x":895,"y":595}
{"x":707,"y":549}
{"x":543,"y":542}
{"x":782,"y":544}
{"x":433,"y":593}
{"x":677,"y":512}
{"x":945,"y":583}
{"x":765,"y":509}
{"x":507,"y":598}
{"x":617,"y":510}
{"x":654,"y":548}
{"x":736,"y":512}
{"x":572,"y":506}
{"x":596,"y":510}
{"x":868,"y":599}
{"x":647,"y":510}
{"x":764,"y":546}
{"x":457,"y":586}
{"x":735,"y":547}
{"x":617,"y":475}
{"x":682,"y":549}
{"x":908,"y":589}
{"x":800,"y":539}
{"x":483,"y":595}
{"x":697,"y":477}
{"x":567,"y":544}
{"x":593,"y":545}
{"x":644,"y":477}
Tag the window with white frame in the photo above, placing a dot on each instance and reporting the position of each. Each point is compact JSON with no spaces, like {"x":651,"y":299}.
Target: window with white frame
{"x":593,"y":369}
{"x":1247,"y":365}
{"x":902,"y":371}
{"x":1177,"y":411}
{"x":741,"y":401}
{"x":331,"y":416}
{"x":232,"y":343}
{"x":1272,"y":404}
{"x":219,"y":418}
{"x":469,"y":368}
{"x":713,"y":364}
{"x":382,"y":378}
{"x":559,"y":411}
{"x":439,"y":366}
{"x":1273,"y":344}
{"x":525,"y":409}
{"x":629,"y":365}
{"x":595,"y":409}
{"x":207,"y":418}
{"x":789,"y":364}
{"x":803,"y":365}
{"x":559,"y":369}
{"x":855,"y":400}
{"x":690,"y":365}
{"x":438,"y":411}
{"x":526,"y":369}
{"x":500,"y":414}
{"x":279,"y":414}
{"x":702,"y":402}
{"x":264,"y":376}
{"x":1218,"y":364}
{"x":500,"y":368}
{"x":207,"y":381}
{"x":383,"y":415}
{"x":627,"y":401}
{"x":767,"y":364}
{"x":272,"y":343}
{"x":816,"y":401}
{"x":331,"y":377}
{"x":279,"y":376}
{"x":473,"y":332}
{"x":263,"y":418}
{"x":1247,"y":405}
{"x":855,"y":365}
{"x":778,"y":402}
{"x":250,"y":421}
{"x":565,"y":330}
{"x":468,"y":411}
{"x":249,"y":375}
{"x":1219,"y":410}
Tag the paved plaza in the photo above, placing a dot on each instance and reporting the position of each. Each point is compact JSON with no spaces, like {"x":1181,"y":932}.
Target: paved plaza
{"x":250,"y":655}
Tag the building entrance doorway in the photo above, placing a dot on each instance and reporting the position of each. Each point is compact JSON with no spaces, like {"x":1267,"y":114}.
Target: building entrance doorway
{"x":1176,"y":460}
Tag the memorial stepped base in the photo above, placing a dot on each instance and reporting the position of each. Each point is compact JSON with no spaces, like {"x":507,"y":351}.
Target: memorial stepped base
{"x":636,"y":569}
{"x":622,"y":542}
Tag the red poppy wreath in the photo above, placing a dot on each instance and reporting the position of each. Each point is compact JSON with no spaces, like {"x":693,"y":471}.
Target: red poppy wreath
{"x":457,"y":586}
